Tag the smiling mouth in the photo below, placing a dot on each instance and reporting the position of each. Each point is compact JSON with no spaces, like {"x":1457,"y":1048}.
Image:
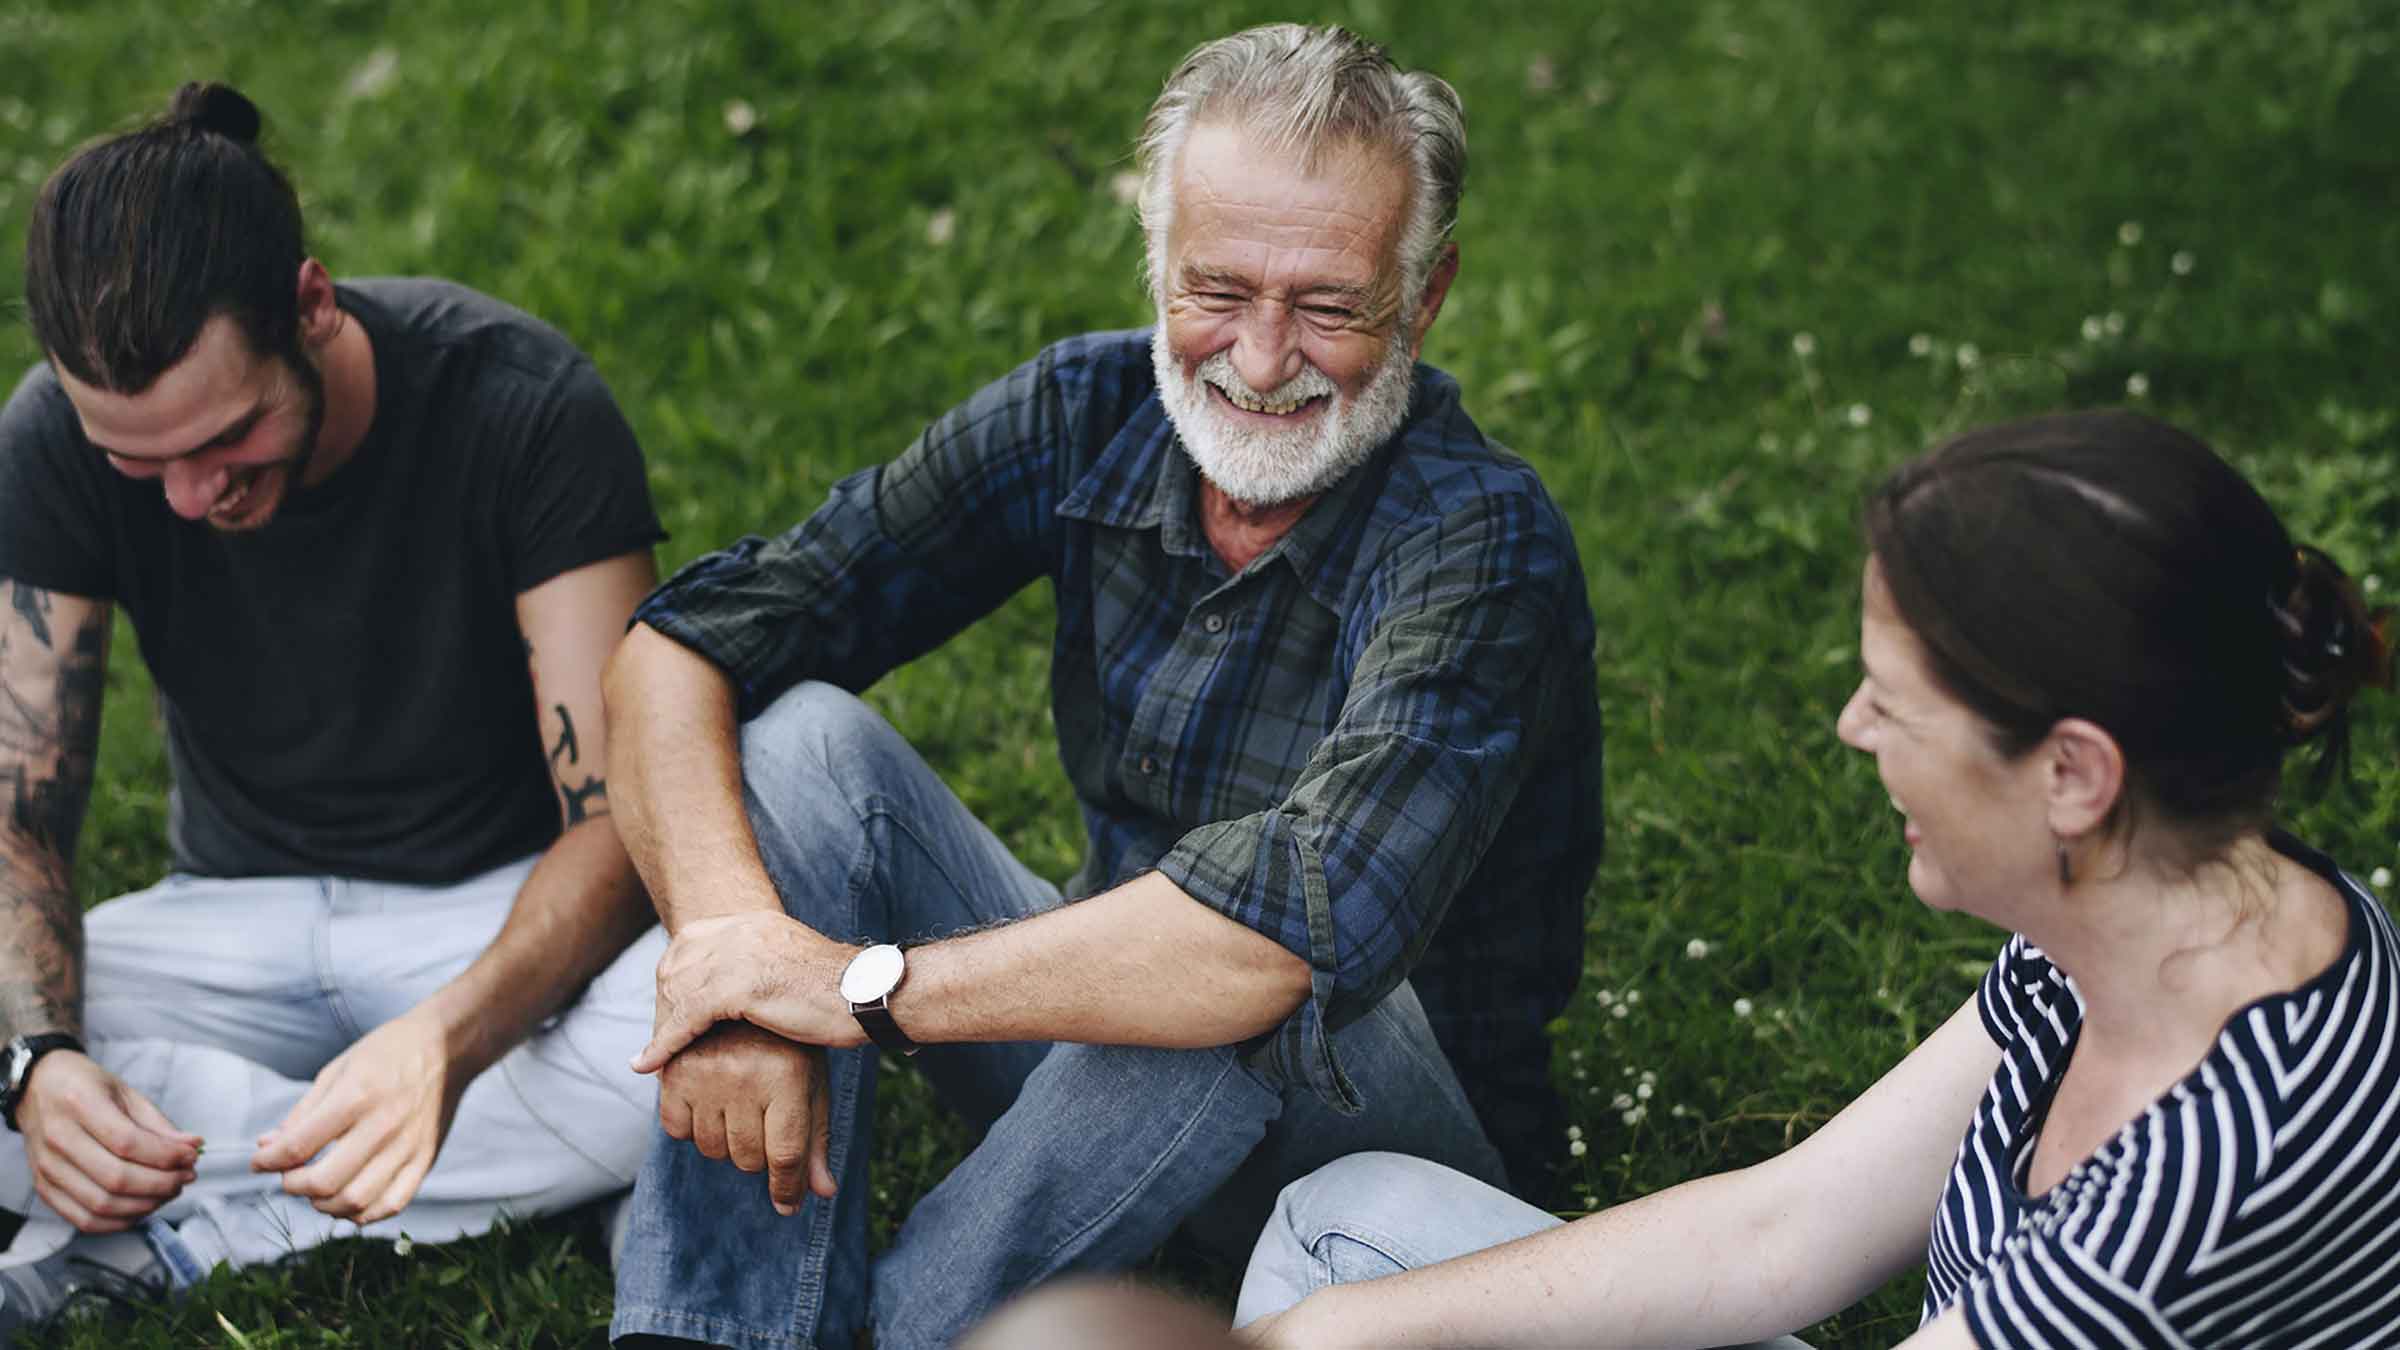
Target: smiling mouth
{"x":1252,"y":403}
{"x":230,"y":507}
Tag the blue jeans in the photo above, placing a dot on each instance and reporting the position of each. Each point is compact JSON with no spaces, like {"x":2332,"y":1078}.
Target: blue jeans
{"x":1376,"y":1214}
{"x":220,"y":1000}
{"x":1093,"y":1153}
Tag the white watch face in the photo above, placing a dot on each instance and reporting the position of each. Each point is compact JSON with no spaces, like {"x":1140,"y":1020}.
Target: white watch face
{"x":872,"y":973}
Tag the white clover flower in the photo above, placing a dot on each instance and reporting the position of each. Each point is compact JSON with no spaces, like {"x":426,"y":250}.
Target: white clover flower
{"x":1574,"y":1132}
{"x":2129,"y":233}
{"x":1635,"y":1116}
{"x":2381,"y":879}
{"x":403,"y":1245}
{"x":1695,"y":949}
{"x":1804,"y":344}
{"x":1604,"y":997}
{"x":2372,"y":582}
{"x":2091,"y":328}
{"x":1620,"y":1010}
{"x":940,"y":226}
{"x":1126,"y":187}
{"x":2114,"y":323}
{"x":1883,"y":991}
{"x":1859,"y":414}
{"x":740,"y":117}
{"x":1633,"y":996}
{"x":1590,"y":1202}
{"x":2137,"y":385}
{"x":1679,"y":1110}
{"x":1578,"y":1149}
{"x":2182,"y":263}
{"x":1920,"y":344}
{"x":1642,"y":1091}
{"x":1621,"y":1101}
{"x":1969,"y":356}
{"x":1649,"y":1075}
{"x":1742,"y":1007}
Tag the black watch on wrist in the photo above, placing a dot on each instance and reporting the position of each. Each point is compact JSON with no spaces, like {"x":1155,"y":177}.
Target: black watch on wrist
{"x":22,"y":1053}
{"x":868,"y":983}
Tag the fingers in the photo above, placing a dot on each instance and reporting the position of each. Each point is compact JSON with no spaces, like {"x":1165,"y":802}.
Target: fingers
{"x":323,"y":1114}
{"x":790,"y":1139}
{"x":348,"y":1181}
{"x":673,"y":1030}
{"x":149,"y":1117}
{"x":820,"y":1158}
{"x":129,"y":1138}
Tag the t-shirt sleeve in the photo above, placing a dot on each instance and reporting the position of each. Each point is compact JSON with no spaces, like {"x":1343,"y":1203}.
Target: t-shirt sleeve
{"x":54,"y":495}
{"x":581,"y":493}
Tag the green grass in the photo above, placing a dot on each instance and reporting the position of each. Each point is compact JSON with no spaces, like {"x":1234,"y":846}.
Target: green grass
{"x":1723,"y":265}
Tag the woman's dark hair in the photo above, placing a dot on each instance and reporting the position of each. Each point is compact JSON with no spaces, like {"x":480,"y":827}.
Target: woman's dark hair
{"x":140,"y":238}
{"x":2111,"y":567}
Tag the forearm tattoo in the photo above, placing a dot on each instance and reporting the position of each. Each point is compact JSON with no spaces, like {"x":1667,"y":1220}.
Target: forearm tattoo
{"x":580,"y":801}
{"x":49,"y":744}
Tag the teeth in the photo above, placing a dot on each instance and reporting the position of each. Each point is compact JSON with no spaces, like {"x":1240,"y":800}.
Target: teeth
{"x":1242,"y":398}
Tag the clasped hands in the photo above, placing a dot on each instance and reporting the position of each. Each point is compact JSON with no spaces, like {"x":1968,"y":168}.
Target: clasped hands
{"x":356,"y":1145}
{"x":746,"y":1004}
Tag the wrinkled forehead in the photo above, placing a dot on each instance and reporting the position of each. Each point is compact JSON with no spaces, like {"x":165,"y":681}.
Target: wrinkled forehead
{"x":1351,"y":197}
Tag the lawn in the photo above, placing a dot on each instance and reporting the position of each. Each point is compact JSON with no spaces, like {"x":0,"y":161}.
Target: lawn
{"x":1723,"y":265}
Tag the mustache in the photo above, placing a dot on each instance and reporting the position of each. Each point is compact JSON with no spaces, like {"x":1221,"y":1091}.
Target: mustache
{"x":1309,"y":383}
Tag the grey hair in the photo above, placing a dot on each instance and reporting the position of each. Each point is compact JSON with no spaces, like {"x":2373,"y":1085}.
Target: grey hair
{"x":1307,"y":91}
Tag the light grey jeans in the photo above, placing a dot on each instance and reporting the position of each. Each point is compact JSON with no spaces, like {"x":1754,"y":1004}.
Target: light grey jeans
{"x":1375,"y":1214}
{"x":220,"y":1000}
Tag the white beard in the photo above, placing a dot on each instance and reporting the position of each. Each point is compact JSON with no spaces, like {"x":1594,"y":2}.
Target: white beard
{"x":1266,"y":466}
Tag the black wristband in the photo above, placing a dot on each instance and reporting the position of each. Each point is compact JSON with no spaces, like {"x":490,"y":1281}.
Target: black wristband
{"x":22,"y":1054}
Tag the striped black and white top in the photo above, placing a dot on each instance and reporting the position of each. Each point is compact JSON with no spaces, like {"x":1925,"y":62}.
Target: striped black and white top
{"x":2256,"y":1204}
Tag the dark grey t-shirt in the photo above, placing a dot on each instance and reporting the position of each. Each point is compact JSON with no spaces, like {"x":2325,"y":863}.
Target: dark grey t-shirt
{"x":345,"y":690}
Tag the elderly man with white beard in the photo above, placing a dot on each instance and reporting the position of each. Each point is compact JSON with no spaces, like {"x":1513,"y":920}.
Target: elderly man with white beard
{"x":1322,"y":680}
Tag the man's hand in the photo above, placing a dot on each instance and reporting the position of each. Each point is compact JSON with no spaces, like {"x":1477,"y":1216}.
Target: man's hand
{"x":751,"y":1097}
{"x":103,"y":1157}
{"x":769,"y":970}
{"x":372,"y":1122}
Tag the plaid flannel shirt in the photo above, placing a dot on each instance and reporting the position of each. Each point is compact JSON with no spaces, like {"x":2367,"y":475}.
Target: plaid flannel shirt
{"x":1382,"y":729}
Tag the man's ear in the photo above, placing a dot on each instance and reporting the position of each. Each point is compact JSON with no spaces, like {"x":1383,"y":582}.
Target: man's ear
{"x":320,"y":316}
{"x":1437,"y":288}
{"x":2083,"y":776}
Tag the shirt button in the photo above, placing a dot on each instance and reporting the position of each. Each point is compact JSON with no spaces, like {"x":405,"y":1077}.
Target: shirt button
{"x":1149,"y":765}
{"x":1214,"y":623}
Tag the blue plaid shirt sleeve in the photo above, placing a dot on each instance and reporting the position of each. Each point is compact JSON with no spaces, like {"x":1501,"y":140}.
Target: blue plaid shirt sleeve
{"x":901,"y":556}
{"x":1353,"y":870}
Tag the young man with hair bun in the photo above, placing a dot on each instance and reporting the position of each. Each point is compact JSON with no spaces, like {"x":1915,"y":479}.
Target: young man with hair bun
{"x":375,"y":541}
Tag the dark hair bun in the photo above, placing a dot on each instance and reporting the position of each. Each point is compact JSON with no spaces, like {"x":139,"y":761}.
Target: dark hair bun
{"x":215,"y":107}
{"x":2334,"y":645}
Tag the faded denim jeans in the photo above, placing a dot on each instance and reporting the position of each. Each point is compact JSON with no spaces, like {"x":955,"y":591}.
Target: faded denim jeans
{"x":1377,"y":1214}
{"x":1093,"y":1154}
{"x":219,"y":1000}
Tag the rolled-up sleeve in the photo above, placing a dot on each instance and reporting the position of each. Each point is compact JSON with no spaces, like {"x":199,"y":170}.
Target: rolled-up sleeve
{"x":899,"y":558}
{"x":1354,"y":868}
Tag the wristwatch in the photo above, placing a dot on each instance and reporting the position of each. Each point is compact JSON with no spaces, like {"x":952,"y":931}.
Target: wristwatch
{"x":867,"y":985}
{"x":22,"y":1052}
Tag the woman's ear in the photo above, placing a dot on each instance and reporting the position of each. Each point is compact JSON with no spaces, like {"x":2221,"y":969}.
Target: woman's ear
{"x":2083,"y":776}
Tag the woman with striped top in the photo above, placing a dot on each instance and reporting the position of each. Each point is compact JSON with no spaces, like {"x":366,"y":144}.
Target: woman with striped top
{"x":2087,"y":645}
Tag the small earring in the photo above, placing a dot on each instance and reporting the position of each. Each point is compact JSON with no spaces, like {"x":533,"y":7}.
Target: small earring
{"x":2066,"y":865}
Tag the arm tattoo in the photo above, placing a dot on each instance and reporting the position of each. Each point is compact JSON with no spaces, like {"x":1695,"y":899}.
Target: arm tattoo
{"x":49,"y":746}
{"x":587,"y":800}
